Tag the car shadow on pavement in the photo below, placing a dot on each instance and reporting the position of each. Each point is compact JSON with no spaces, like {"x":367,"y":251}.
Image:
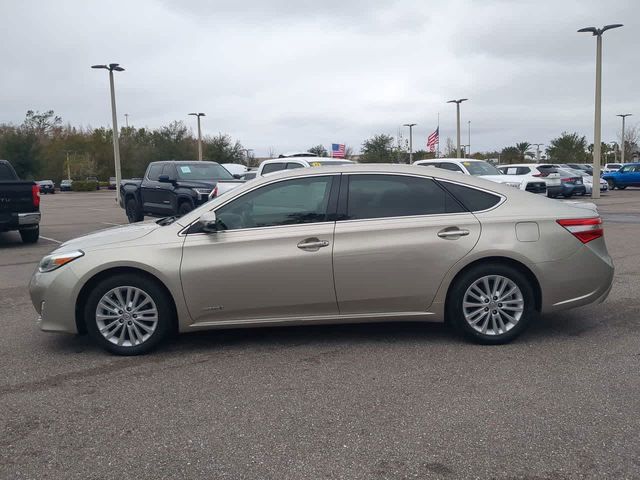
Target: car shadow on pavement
{"x":546,"y":328}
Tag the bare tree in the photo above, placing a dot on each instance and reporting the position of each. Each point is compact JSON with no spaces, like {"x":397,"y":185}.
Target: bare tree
{"x":631,"y":141}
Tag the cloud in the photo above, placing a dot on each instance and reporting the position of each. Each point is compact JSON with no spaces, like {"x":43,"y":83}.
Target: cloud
{"x":289,"y":75}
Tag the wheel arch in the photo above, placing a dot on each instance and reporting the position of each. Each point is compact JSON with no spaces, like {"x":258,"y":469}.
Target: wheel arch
{"x":521,"y":267}
{"x":83,"y":295}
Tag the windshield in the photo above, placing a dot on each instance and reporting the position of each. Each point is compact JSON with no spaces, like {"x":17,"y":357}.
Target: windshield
{"x":481,"y":168}
{"x":614,"y":165}
{"x":202,"y":171}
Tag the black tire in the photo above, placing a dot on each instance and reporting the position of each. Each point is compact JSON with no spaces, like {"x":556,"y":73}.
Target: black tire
{"x":567,"y":195}
{"x":132,"y":209}
{"x":31,"y":235}
{"x":166,"y":320}
{"x":184,"y":208}
{"x":621,"y":187}
{"x":612,"y":185}
{"x":456,"y":297}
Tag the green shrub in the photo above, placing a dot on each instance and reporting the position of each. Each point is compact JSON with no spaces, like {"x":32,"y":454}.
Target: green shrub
{"x":104,"y":184}
{"x":84,"y":185}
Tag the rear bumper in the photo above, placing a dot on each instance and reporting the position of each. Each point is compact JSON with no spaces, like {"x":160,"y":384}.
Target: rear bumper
{"x":19,"y":221}
{"x":583,"y":278}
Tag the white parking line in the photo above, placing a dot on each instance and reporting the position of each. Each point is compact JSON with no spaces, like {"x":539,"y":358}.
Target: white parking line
{"x":50,"y":239}
{"x":109,"y":223}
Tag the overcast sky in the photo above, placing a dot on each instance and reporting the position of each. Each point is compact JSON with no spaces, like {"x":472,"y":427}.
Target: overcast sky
{"x":289,"y":74}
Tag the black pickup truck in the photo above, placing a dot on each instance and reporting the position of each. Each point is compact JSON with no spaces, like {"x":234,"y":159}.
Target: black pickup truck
{"x":19,"y":204}
{"x":174,"y":187}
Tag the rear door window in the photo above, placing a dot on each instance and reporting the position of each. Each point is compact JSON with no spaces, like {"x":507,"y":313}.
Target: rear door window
{"x":381,"y":196}
{"x":293,"y":165}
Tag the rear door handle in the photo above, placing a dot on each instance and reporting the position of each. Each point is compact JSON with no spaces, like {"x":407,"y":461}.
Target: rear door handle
{"x":312,"y":244}
{"x":453,"y":233}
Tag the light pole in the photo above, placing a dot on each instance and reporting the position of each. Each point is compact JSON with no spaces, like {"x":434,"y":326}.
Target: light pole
{"x":116,"y":146}
{"x":458,"y":102}
{"x":126,"y":120}
{"x":624,"y":115}
{"x":246,"y":154}
{"x":597,"y":32}
{"x":199,"y":134}
{"x":68,"y":165}
{"x":537,"y":145}
{"x":469,"y":139}
{"x":410,"y":125}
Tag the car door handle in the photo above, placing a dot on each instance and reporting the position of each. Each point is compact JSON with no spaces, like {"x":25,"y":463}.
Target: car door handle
{"x":312,"y":244}
{"x":453,"y":233}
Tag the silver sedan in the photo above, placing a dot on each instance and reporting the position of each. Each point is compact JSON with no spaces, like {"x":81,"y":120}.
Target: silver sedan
{"x":362,"y":243}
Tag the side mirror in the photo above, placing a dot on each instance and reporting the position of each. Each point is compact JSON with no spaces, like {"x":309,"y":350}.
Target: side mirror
{"x":165,"y":179}
{"x":237,"y":176}
{"x":209,"y":221}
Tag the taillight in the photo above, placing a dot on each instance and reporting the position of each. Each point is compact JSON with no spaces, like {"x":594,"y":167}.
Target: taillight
{"x":214,"y":192}
{"x":536,"y":175}
{"x":35,"y":195}
{"x":584,"y":229}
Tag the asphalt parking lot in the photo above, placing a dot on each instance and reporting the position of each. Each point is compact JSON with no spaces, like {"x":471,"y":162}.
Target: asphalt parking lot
{"x":355,"y":401}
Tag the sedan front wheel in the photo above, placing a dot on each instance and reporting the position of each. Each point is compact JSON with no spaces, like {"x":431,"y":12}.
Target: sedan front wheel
{"x":491,"y":304}
{"x":128,"y":314}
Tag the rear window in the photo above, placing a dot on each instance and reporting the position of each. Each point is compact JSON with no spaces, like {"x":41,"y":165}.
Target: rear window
{"x":273,"y":167}
{"x":473,"y":200}
{"x":481,"y":168}
{"x":6,"y":173}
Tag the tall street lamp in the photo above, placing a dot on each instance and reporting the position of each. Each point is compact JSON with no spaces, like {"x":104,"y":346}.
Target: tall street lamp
{"x":597,"y":32}
{"x":199,"y":134}
{"x":624,"y":115}
{"x":116,"y":146}
{"x":469,"y":133}
{"x":537,"y":145}
{"x":410,"y":125}
{"x":458,"y":102}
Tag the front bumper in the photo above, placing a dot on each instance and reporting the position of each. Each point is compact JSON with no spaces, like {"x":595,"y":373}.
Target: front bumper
{"x":53,"y":296}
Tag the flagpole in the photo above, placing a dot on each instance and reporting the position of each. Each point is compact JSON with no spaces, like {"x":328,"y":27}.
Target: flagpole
{"x":438,"y":147}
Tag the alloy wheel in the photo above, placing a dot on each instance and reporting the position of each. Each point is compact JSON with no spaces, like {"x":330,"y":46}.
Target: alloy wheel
{"x":493,"y":305}
{"x":126,"y":316}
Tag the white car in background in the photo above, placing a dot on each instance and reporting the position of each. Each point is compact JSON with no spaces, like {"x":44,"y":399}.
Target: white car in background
{"x":235,"y":168}
{"x":587,"y":180}
{"x":482,"y":169}
{"x":611,"y":167}
{"x":540,"y":171}
{"x":289,"y":163}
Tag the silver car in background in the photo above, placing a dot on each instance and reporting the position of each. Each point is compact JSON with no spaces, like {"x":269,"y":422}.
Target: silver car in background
{"x":357,"y":243}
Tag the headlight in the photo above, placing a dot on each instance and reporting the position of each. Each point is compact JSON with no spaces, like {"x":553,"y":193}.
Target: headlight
{"x":203,"y":192}
{"x":52,"y":262}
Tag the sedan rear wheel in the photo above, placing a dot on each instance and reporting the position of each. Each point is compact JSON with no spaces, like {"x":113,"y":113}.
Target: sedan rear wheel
{"x":128,"y":314}
{"x":492,"y":304}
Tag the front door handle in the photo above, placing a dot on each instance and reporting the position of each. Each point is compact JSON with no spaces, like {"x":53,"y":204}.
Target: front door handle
{"x":312,"y":244}
{"x":453,"y":233}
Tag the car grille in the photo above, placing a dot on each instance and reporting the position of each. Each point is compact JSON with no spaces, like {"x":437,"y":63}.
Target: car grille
{"x":536,"y":187}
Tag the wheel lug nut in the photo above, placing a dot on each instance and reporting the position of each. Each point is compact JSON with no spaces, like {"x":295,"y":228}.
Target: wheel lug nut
{"x":121,"y":321}
{"x":135,"y":316}
{"x":128,"y":309}
{"x":500,"y":305}
{"x":486,"y":300}
{"x":495,"y":311}
{"x":486,"y":309}
{"x":495,"y":298}
{"x":120,"y":312}
{"x":129,"y":322}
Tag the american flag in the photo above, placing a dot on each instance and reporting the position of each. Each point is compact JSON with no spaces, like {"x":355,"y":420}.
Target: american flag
{"x":337,"y":150}
{"x":433,"y":139}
